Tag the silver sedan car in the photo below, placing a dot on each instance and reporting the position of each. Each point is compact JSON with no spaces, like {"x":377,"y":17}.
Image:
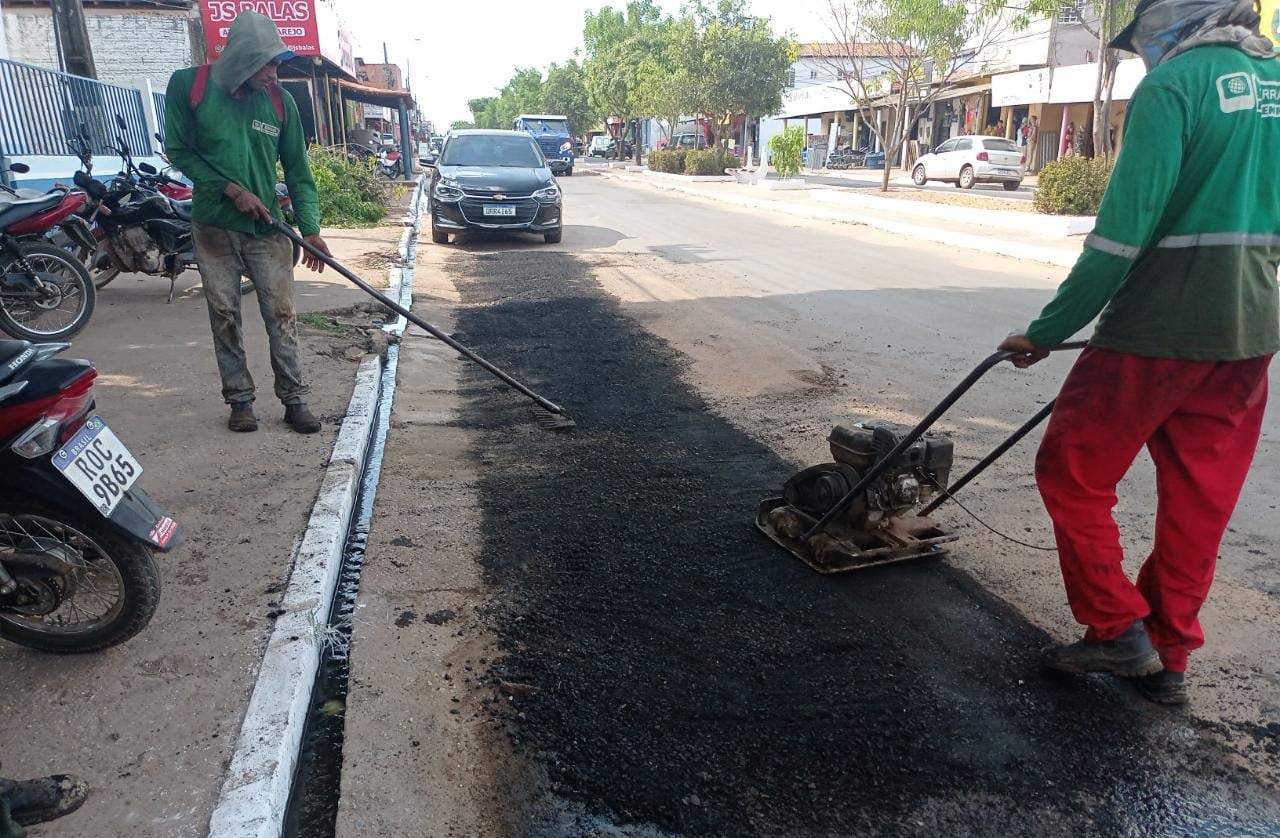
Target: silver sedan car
{"x":967,"y":160}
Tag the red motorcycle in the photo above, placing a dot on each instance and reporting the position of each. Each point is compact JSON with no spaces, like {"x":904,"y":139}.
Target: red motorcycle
{"x":77,"y":534}
{"x":45,"y":292}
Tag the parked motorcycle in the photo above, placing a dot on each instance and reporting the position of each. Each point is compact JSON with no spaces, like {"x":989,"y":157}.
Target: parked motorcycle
{"x":847,"y":157}
{"x":77,"y":533}
{"x":138,"y":227}
{"x":389,"y":163}
{"x":45,"y":292}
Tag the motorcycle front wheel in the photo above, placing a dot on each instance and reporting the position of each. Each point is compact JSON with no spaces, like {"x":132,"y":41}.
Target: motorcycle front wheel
{"x":55,"y":314}
{"x":81,"y":587}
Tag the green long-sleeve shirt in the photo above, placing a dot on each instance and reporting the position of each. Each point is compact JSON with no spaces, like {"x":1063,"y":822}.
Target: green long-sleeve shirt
{"x":240,"y":139}
{"x":1182,"y":261}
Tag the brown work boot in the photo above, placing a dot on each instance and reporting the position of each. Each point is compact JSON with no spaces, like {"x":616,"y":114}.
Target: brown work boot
{"x":300,"y":418}
{"x":242,"y":419}
{"x":44,"y":798}
{"x":1130,"y":655}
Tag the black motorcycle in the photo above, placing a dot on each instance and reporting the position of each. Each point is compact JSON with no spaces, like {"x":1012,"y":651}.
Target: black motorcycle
{"x":77,"y":534}
{"x":142,"y":229}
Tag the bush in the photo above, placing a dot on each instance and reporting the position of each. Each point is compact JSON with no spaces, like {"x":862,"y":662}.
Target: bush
{"x":785,"y":151}
{"x":351,"y":195}
{"x":671,"y":162}
{"x":710,"y":162}
{"x":1072,"y":186}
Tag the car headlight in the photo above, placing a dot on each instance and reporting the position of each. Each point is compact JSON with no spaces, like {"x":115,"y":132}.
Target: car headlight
{"x":568,"y":146}
{"x":447,"y":191}
{"x":549,"y":194}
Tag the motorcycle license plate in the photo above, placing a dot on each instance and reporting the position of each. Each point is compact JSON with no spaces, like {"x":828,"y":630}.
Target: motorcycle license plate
{"x":97,"y":463}
{"x":499,"y":210}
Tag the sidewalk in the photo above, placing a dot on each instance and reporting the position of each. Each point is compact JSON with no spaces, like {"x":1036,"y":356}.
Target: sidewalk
{"x":1052,"y":240}
{"x":897,"y":177}
{"x":150,"y":724}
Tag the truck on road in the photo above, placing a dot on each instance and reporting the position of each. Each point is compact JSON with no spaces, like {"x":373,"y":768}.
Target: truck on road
{"x":551,"y":131}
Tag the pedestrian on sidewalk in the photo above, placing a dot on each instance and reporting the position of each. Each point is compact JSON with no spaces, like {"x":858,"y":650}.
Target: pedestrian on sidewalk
{"x":227,"y":125}
{"x":1182,"y":266}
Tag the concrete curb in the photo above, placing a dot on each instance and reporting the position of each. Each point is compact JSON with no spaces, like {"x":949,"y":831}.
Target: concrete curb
{"x":913,"y":229}
{"x":255,"y":791}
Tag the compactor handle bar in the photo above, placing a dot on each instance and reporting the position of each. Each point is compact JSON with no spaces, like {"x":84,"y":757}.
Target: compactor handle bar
{"x":925,"y":424}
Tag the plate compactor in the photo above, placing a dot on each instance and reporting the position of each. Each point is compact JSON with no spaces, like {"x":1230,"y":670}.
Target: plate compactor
{"x":865,"y":509}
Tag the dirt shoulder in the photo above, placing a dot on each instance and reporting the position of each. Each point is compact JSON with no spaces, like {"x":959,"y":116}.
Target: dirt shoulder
{"x":151,"y":724}
{"x":421,"y":755}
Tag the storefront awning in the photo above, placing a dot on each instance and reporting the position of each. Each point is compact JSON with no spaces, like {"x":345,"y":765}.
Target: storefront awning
{"x":958,"y":92}
{"x":816,"y":100}
{"x":375,"y":95}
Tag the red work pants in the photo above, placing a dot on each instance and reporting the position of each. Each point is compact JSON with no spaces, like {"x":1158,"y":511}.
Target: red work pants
{"x":1201,"y":421}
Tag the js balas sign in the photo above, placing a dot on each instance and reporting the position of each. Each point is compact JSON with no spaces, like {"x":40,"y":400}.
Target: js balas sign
{"x":296,"y":20}
{"x":1271,"y":21}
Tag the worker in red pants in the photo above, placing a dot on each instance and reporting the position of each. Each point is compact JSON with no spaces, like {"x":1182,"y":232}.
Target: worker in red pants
{"x":1182,"y":266}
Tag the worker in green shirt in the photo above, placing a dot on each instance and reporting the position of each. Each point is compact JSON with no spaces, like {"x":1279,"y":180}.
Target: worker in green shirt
{"x":1182,"y":267}
{"x":227,"y":124}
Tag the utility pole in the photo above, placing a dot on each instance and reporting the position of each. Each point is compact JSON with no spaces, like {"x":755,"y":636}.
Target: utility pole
{"x":73,"y":37}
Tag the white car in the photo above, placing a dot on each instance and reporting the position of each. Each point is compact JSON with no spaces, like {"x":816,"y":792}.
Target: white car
{"x":967,"y":160}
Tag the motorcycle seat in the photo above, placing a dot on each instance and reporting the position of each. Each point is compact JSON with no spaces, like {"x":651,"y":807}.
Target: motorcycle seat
{"x":11,"y":360}
{"x":182,"y":209}
{"x":13,"y":209}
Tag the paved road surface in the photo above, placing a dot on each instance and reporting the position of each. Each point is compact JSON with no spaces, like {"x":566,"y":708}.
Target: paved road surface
{"x":682,"y":672}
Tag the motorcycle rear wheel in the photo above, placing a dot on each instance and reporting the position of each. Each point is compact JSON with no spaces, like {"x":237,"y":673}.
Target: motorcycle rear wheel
{"x":18,"y":315}
{"x":119,"y":578}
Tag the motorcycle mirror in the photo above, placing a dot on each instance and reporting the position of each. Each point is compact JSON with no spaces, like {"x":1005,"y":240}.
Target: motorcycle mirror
{"x":92,"y":187}
{"x":124,"y":126}
{"x":147,"y":168}
{"x":20,"y":168}
{"x":159,"y":138}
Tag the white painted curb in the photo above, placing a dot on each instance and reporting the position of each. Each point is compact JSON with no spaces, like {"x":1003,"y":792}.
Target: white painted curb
{"x":255,"y":791}
{"x":912,"y":229}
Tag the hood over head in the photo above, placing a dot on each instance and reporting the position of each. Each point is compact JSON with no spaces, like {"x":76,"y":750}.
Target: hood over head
{"x":253,"y":42}
{"x":1162,"y":29}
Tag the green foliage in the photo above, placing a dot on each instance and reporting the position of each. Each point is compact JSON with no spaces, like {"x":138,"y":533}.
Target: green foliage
{"x":351,"y":195}
{"x":710,"y":161}
{"x":461,"y":125}
{"x":671,"y":162}
{"x":565,"y":92}
{"x":785,"y":151}
{"x":1072,"y":186}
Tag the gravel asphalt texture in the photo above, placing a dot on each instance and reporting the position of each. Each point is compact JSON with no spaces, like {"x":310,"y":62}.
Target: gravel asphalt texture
{"x":694,"y":679}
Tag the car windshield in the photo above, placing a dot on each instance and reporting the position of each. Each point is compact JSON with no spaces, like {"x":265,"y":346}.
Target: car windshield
{"x":999,"y":145}
{"x":515,"y":151}
{"x":546,"y":126}
{"x":599,"y":142}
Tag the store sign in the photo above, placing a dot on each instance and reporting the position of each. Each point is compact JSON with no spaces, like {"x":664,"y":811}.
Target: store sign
{"x":1271,"y":21}
{"x":296,"y":20}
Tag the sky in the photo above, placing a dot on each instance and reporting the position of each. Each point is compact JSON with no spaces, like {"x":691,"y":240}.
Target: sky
{"x":455,"y":51}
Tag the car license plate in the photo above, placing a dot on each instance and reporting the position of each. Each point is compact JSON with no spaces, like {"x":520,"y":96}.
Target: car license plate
{"x":502,"y":210}
{"x":97,"y":463}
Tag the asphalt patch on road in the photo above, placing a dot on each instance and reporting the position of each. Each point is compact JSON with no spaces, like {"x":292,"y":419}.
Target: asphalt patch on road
{"x":688,"y":676}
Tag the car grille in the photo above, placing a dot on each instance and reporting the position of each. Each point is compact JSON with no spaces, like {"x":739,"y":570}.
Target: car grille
{"x":487,"y":194}
{"x":473,"y":211}
{"x":551,"y":148}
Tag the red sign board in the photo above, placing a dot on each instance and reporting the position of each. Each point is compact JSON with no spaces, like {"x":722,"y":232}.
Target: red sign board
{"x":296,"y":20}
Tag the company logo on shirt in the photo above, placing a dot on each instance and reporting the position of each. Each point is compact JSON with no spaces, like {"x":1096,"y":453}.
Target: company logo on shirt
{"x":269,"y":130}
{"x":1245,"y":92}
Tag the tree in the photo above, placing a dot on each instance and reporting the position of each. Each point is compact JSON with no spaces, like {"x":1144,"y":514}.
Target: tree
{"x":921,"y":47}
{"x":616,"y":43}
{"x":741,"y":63}
{"x":565,"y":92}
{"x":461,"y":124}
{"x":484,"y":111}
{"x":666,"y":83}
{"x":1103,"y":19}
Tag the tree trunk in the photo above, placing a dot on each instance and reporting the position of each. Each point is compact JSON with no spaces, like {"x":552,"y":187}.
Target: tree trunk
{"x":890,"y":148}
{"x":635,"y":141}
{"x":1101,"y":118}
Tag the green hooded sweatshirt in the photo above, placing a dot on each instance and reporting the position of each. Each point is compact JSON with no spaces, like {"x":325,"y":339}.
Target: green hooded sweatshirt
{"x":240,"y":138}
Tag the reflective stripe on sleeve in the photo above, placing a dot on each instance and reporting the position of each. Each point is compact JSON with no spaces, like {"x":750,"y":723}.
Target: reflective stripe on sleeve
{"x":1108,"y":246}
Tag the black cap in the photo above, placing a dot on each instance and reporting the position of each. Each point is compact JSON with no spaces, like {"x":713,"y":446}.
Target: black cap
{"x":1124,"y":40}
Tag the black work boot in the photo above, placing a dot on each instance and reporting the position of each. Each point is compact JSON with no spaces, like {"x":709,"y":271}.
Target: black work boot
{"x":242,"y":419}
{"x":1164,"y":687}
{"x":44,"y":798}
{"x":300,"y":418}
{"x":1130,"y":655}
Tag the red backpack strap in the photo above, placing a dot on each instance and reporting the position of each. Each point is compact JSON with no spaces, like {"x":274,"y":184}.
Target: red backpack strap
{"x":277,"y":101}
{"x":199,"y":85}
